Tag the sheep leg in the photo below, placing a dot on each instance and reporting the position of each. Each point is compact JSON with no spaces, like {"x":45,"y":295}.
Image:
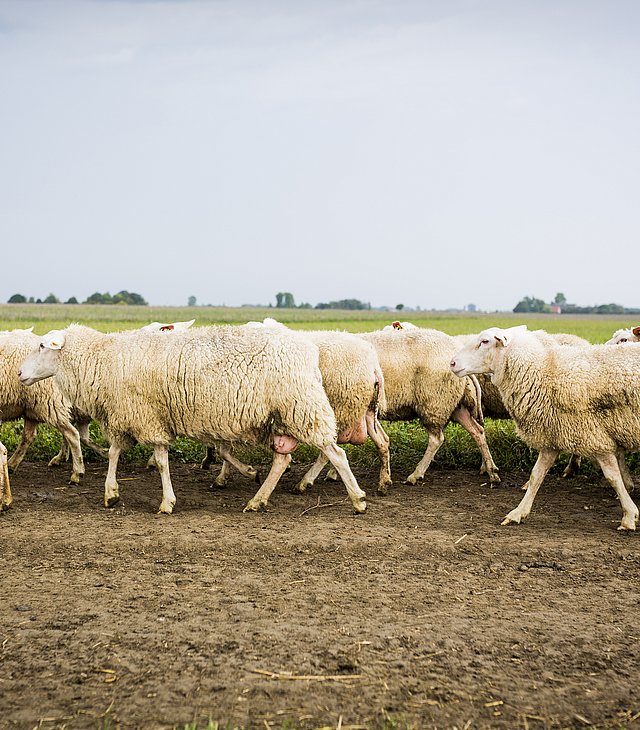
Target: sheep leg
{"x":435,"y":442}
{"x":611,"y":470}
{"x":624,"y":471}
{"x":572,"y":467}
{"x":111,"y":488}
{"x":309,"y":478}
{"x":161,"y":452}
{"x":28,"y":434}
{"x":469,"y":423}
{"x":544,"y":462}
{"x":245,"y":469}
{"x":260,"y":499}
{"x":209,"y":458}
{"x":5,"y":487}
{"x":85,"y":437}
{"x":72,"y":437}
{"x":62,"y":455}
{"x":381,"y":440}
{"x":338,"y":458}
{"x":223,"y":474}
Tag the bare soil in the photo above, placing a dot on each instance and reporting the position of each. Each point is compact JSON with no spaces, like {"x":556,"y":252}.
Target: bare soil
{"x":422,"y":613}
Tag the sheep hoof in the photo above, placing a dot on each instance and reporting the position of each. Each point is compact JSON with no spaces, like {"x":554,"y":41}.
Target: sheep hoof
{"x":4,"y":506}
{"x":300,"y":487}
{"x":166,"y":508}
{"x":360,"y":505}
{"x":56,"y":461}
{"x":383,"y":489}
{"x":75,"y":478}
{"x":512,"y":519}
{"x":255,"y":506}
{"x":411,"y":480}
{"x":220,"y":482}
{"x":254,"y":474}
{"x":110,"y":501}
{"x":628,"y":524}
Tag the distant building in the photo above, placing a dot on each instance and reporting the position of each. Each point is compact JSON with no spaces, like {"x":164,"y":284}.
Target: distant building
{"x":555,"y":308}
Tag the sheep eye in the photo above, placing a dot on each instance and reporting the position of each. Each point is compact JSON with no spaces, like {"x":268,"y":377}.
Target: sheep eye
{"x":42,"y":346}
{"x":484,"y":342}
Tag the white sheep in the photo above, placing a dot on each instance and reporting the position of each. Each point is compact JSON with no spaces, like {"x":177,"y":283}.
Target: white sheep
{"x":354,"y":383}
{"x":584,"y":400}
{"x":166,"y":326}
{"x":82,"y":422}
{"x":214,"y":384}
{"x":419,"y":384}
{"x":5,"y":487}
{"x":632,"y":334}
{"x":41,"y":404}
{"x":353,"y":380}
{"x":492,"y":405}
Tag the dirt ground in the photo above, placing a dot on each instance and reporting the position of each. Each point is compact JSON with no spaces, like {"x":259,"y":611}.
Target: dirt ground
{"x":422,"y":613}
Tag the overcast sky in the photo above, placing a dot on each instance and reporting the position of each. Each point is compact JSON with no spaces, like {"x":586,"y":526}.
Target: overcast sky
{"x":433,"y":153}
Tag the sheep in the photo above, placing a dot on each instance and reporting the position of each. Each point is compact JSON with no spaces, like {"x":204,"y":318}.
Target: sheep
{"x":585,"y":400}
{"x":418,"y":383}
{"x":167,"y":326}
{"x":216,"y":384}
{"x":5,"y":487}
{"x":354,"y":383}
{"x":624,"y":335}
{"x":492,"y":405}
{"x":42,"y":404}
{"x":82,"y":422}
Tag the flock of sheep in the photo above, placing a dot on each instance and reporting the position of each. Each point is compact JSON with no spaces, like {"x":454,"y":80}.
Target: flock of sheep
{"x":264,"y":383}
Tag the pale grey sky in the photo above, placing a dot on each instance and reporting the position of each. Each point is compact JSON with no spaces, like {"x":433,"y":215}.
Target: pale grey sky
{"x":433,"y":153}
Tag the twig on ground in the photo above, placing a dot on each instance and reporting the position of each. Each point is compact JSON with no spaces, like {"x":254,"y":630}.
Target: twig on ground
{"x":306,"y":677}
{"x":318,"y":505}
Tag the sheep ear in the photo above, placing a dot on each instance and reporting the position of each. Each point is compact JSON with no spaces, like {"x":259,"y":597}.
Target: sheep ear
{"x":501,"y":339}
{"x":177,"y":326}
{"x":636,"y":331}
{"x":54,"y":340}
{"x":397,"y":325}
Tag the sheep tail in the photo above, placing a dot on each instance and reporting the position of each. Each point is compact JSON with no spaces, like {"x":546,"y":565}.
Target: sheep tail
{"x":377,"y":398}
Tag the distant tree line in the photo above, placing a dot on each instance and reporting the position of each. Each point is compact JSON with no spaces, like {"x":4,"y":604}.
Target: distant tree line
{"x":122,"y":297}
{"x":344,"y":304}
{"x":560,"y":306}
{"x":286,"y":300}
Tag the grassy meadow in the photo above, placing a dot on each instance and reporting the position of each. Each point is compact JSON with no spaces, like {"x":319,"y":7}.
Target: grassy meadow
{"x":408,"y":440}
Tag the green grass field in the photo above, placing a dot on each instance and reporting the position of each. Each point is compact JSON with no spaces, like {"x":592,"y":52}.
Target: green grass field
{"x":109,"y":318}
{"x":408,"y":439}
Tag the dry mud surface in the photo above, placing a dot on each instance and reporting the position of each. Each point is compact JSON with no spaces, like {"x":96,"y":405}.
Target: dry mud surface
{"x":422,"y":613}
